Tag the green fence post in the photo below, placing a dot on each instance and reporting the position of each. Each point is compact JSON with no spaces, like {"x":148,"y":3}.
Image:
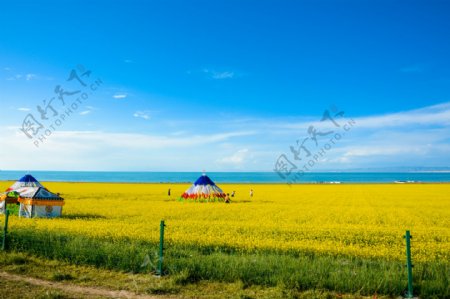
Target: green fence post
{"x":5,"y":229}
{"x":161,"y":249}
{"x":409,"y":265}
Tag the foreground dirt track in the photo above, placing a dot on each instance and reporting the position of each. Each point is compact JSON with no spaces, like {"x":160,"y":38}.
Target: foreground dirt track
{"x":76,"y":291}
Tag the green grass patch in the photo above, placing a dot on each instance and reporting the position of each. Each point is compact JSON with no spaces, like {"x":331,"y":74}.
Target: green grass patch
{"x":290,"y":272}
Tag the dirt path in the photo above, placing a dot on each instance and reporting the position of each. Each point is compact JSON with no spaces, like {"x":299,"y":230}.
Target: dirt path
{"x":77,"y":290}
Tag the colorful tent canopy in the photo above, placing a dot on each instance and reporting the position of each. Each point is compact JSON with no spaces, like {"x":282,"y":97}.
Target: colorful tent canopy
{"x":203,"y":188}
{"x":25,"y":181}
{"x":35,"y":200}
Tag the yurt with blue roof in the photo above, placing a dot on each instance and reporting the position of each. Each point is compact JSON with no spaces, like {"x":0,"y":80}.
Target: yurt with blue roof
{"x":204,"y":189}
{"x":35,"y":200}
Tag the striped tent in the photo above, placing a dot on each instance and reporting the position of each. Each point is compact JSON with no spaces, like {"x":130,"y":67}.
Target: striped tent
{"x":35,"y":200}
{"x":25,"y":181}
{"x":204,"y":189}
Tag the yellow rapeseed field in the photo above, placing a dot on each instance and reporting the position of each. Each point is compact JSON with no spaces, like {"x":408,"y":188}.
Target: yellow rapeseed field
{"x":365,"y":220}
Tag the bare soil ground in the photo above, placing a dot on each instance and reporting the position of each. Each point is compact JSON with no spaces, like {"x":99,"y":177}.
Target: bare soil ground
{"x":44,"y":288}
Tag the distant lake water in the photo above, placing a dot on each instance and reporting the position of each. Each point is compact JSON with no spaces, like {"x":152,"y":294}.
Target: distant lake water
{"x":227,"y":177}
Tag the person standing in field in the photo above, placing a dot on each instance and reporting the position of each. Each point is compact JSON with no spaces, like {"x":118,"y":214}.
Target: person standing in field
{"x":168,"y":192}
{"x":227,"y":198}
{"x":251,"y":193}
{"x":232,"y":193}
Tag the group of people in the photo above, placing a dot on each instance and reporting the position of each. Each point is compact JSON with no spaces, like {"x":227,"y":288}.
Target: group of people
{"x":227,"y":197}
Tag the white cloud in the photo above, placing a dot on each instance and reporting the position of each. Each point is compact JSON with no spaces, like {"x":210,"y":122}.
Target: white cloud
{"x":427,"y":116}
{"x":219,"y":75}
{"x":396,"y":154}
{"x":89,"y":110}
{"x":23,"y":109}
{"x":432,"y":115}
{"x":223,"y":75}
{"x":120,"y":96}
{"x":91,"y":150}
{"x":29,"y":77}
{"x":15,"y":77}
{"x":237,"y":158}
{"x":372,"y":150}
{"x":419,"y":137}
{"x":142,"y":114}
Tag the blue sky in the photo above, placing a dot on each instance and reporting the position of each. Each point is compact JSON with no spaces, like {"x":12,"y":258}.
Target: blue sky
{"x":227,"y":85}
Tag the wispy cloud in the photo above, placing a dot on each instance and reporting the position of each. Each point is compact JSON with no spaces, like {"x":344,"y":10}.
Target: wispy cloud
{"x":415,"y":68}
{"x":218,"y":75}
{"x":25,"y":109}
{"x":128,"y":61}
{"x":432,"y":115}
{"x":15,"y":77}
{"x":419,"y":137}
{"x":427,"y":116}
{"x":238,"y":158}
{"x":88,"y":110}
{"x":120,"y":95}
{"x":142,"y":114}
{"x":29,"y":77}
{"x":92,"y":150}
{"x":363,"y":152}
{"x":373,"y":150}
{"x":222,"y":75}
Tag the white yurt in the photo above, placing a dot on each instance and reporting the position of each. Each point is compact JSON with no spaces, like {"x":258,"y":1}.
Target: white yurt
{"x":34,"y":199}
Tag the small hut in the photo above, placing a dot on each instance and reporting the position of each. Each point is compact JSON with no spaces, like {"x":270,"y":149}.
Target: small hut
{"x":34,"y":199}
